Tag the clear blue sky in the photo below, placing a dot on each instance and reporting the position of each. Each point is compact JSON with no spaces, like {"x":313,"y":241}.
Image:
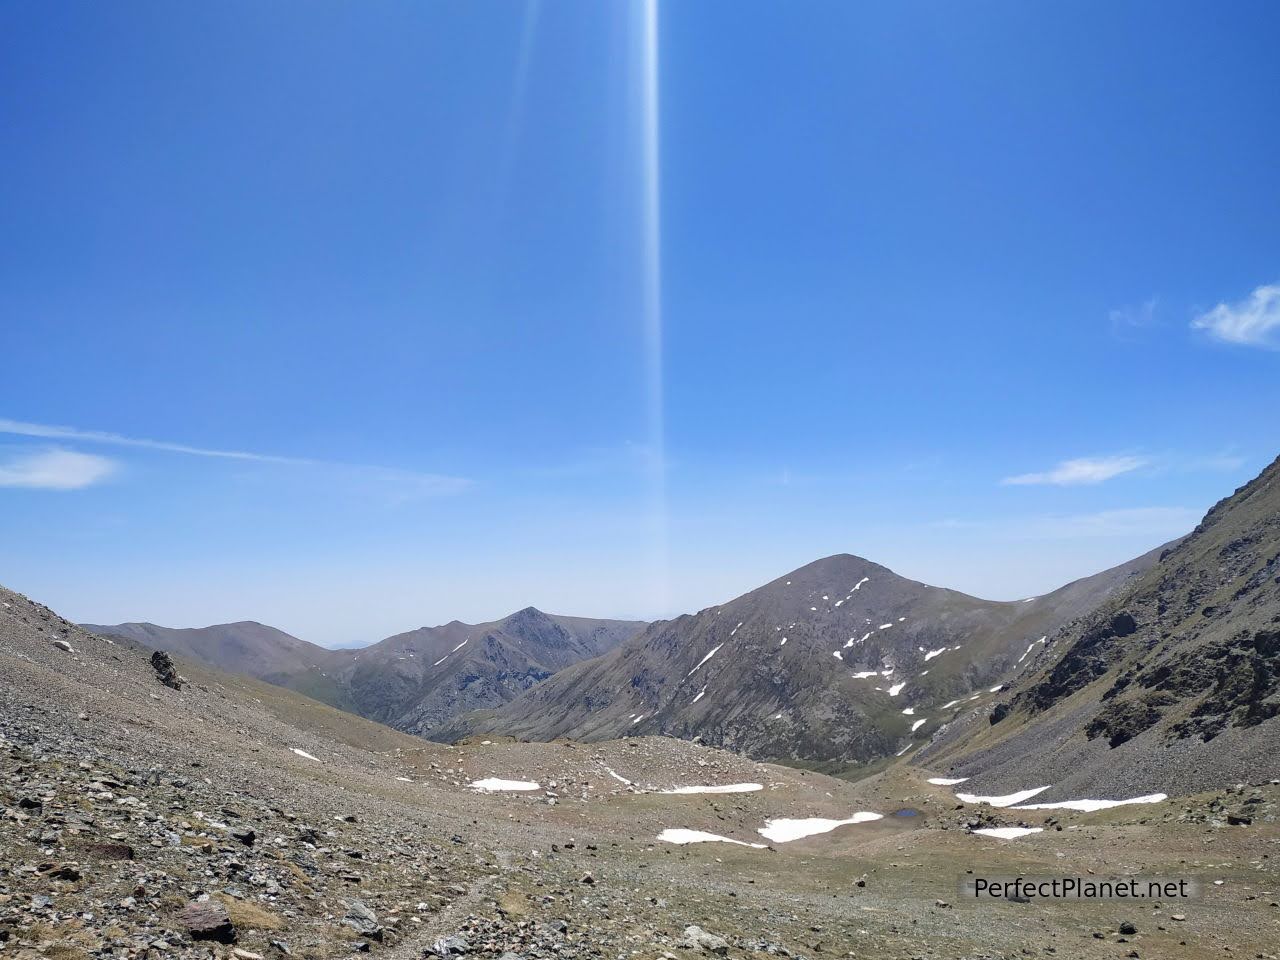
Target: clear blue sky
{"x":916,"y":259}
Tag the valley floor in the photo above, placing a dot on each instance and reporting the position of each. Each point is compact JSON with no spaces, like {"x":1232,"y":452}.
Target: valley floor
{"x":299,"y":830}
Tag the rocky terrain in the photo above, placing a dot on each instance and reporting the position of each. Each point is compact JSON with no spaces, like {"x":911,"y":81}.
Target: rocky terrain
{"x":841,"y":660}
{"x":1172,"y":684}
{"x":155,"y":808}
{"x":414,"y":681}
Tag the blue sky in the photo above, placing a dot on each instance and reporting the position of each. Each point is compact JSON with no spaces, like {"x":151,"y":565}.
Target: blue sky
{"x":334,"y":316}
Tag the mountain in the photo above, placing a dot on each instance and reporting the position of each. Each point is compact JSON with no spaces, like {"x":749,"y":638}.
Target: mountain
{"x":414,"y":681}
{"x":839,"y":660}
{"x":246,"y":647}
{"x":1172,"y":685}
{"x":142,"y":820}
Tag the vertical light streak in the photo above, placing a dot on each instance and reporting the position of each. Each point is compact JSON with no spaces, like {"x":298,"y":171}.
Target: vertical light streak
{"x":651,"y":173}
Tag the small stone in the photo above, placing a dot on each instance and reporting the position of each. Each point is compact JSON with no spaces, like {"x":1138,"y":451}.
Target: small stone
{"x":245,"y":954}
{"x":1127,"y":928}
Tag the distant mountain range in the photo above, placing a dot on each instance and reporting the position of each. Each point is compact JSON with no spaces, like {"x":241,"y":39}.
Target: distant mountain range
{"x":1159,"y":675}
{"x":1171,"y":685}
{"x":840,"y":660}
{"x":414,"y":681}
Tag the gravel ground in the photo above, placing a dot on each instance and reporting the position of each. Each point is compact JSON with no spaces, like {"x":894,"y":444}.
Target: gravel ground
{"x":137,"y":820}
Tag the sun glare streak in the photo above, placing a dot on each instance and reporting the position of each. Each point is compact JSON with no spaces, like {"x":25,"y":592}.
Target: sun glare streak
{"x":651,"y":172}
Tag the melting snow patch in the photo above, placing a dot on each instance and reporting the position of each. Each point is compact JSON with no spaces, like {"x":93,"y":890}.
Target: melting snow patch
{"x":947,"y":781}
{"x":949,"y":704}
{"x":1005,"y":801}
{"x":904,"y":750}
{"x":909,"y":711}
{"x":860,"y":583}
{"x":997,"y":688}
{"x":837,"y":654}
{"x":699,"y":836}
{"x":786,"y":830}
{"x":897,"y":688}
{"x":863,"y":674}
{"x":638,"y":719}
{"x":725,"y":788}
{"x":1088,"y":806}
{"x":490,"y":784}
{"x":1008,"y":833}
{"x":303,"y":753}
{"x":919,"y":723}
{"x":1029,"y":648}
{"x":933,"y":653}
{"x":617,"y":776}
{"x":735,"y":629}
{"x":885,"y":626}
{"x":706,"y":658}
{"x":700,"y":694}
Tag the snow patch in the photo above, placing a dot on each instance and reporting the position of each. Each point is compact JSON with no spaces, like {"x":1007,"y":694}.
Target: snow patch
{"x":1008,"y":833}
{"x":491,"y":784}
{"x":947,"y":781}
{"x":1006,"y":801}
{"x":1089,"y":806}
{"x":699,"y":836}
{"x":303,"y":753}
{"x":706,"y":658}
{"x":786,"y":829}
{"x":725,"y":788}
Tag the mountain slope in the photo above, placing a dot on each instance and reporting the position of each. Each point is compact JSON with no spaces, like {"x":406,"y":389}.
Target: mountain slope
{"x":840,"y":660}
{"x":413,"y":681}
{"x":1172,"y":685}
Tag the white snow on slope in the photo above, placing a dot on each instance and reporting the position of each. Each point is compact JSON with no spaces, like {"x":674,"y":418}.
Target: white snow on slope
{"x":904,"y":749}
{"x":919,"y":723}
{"x":725,"y":788}
{"x":864,"y":674}
{"x":700,"y":695}
{"x":897,"y":688}
{"x":1029,"y":648}
{"x":785,"y":830}
{"x":303,"y":753}
{"x":909,"y":711}
{"x":491,"y":784}
{"x":706,"y":658}
{"x":617,"y":776}
{"x":860,"y":583}
{"x":885,"y":626}
{"x":699,"y":836}
{"x":947,"y":781}
{"x":837,"y":654}
{"x":638,"y":719}
{"x":933,"y":653}
{"x":1089,"y":806}
{"x":735,"y":629}
{"x":1008,"y":833}
{"x":1005,"y":801}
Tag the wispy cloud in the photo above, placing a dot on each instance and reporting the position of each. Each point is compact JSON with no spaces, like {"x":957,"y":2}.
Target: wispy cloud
{"x":1129,"y":322}
{"x":1253,"y":322}
{"x":412,"y":483}
{"x":54,"y":469}
{"x":1085,"y":470}
{"x":1164,"y":522}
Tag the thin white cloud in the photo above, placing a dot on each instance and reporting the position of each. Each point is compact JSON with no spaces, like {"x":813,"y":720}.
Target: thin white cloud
{"x":1079,"y":472}
{"x":1253,"y":322}
{"x":1161,"y":522}
{"x":54,"y":469}
{"x":1126,"y":322}
{"x":411,"y":483}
